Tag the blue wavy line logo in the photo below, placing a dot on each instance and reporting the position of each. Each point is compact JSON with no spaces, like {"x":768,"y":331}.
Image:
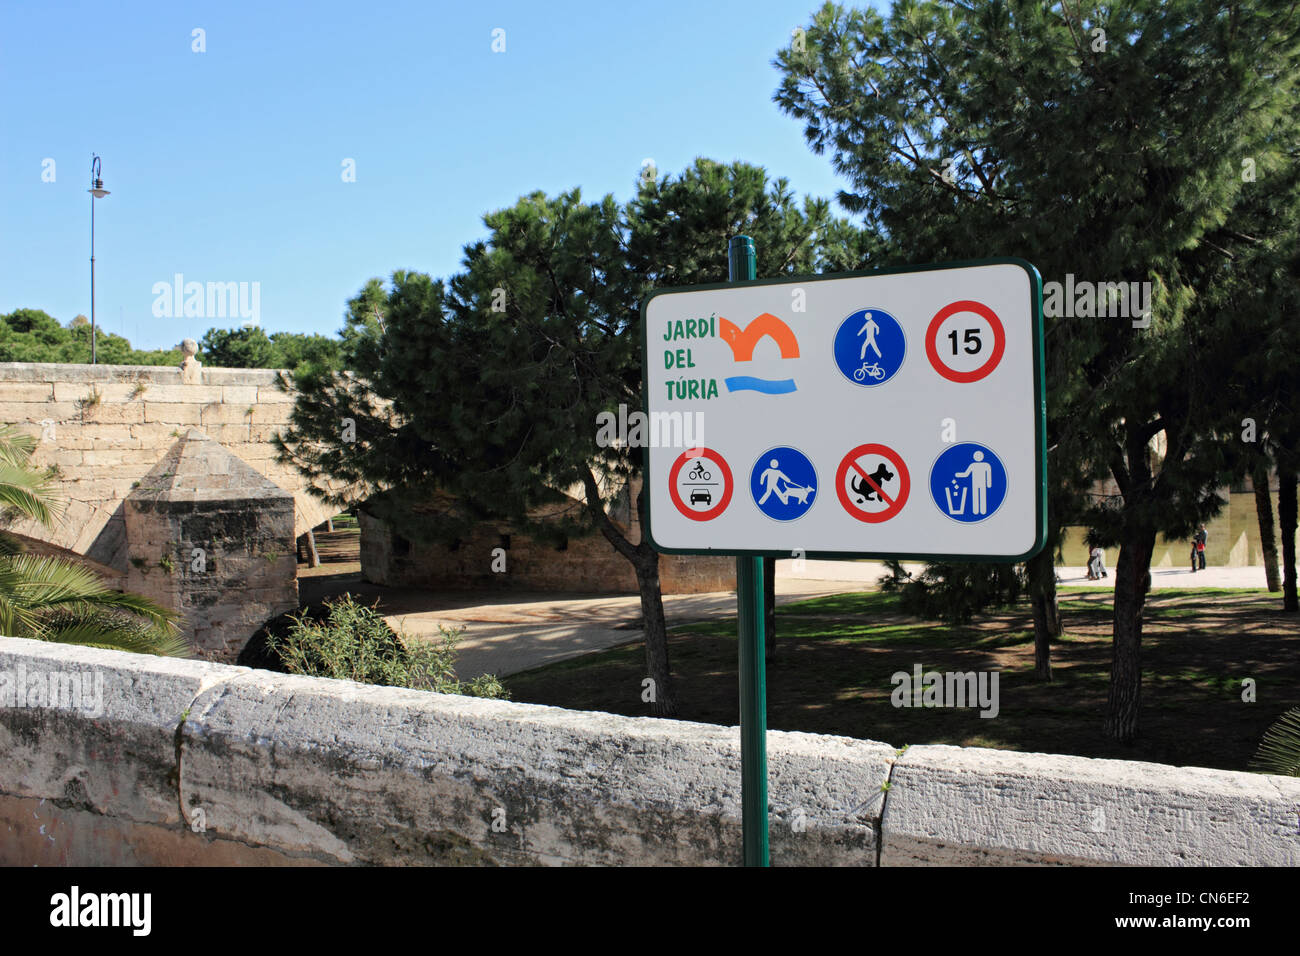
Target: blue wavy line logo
{"x":768,"y":386}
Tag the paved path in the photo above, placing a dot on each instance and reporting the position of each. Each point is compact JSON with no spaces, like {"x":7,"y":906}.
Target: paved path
{"x":868,"y":572}
{"x":511,"y":631}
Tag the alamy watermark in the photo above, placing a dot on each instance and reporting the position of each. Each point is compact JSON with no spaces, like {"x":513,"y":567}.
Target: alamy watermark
{"x":64,"y":690}
{"x":130,"y":910}
{"x":211,"y":300}
{"x":636,"y":429}
{"x":935,"y":689}
{"x":1086,"y":300}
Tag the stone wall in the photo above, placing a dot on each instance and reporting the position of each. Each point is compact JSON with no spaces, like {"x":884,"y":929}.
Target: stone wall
{"x":213,"y":539}
{"x":588,"y":563}
{"x":185,"y":762}
{"x":1234,"y":535}
{"x":103,"y":445}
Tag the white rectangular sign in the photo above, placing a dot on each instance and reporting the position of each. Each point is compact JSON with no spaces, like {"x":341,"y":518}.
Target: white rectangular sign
{"x":891,"y":414}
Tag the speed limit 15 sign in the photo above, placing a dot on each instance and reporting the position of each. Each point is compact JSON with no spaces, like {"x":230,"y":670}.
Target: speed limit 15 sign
{"x":896,"y":413}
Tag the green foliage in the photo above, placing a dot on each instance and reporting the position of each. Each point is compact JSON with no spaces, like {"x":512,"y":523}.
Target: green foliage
{"x":1003,"y":126}
{"x":972,"y":128}
{"x":31,"y":335}
{"x":954,"y":593}
{"x":488,"y":386}
{"x":253,"y":348}
{"x":355,"y":643}
{"x":1279,"y":751}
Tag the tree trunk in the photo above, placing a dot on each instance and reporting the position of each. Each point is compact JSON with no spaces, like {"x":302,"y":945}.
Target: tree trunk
{"x":1042,"y":593}
{"x":1286,"y":518}
{"x":1264,"y":511}
{"x":1132,"y":580}
{"x":663,"y":697}
{"x":769,"y":608}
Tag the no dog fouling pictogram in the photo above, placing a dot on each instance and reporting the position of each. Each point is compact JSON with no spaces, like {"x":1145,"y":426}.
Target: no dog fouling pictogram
{"x":873,"y":483}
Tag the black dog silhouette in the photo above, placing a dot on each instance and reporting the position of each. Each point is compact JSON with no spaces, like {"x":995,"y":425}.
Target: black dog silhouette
{"x":881,"y":475}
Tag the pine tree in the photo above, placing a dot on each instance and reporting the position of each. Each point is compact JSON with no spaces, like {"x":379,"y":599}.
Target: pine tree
{"x":1108,"y":145}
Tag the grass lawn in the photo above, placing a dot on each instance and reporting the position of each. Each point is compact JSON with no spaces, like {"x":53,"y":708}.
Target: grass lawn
{"x":835,"y":655}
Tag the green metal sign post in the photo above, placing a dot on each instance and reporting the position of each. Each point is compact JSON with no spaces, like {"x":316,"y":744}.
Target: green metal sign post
{"x":888,"y":486}
{"x":742,"y":266}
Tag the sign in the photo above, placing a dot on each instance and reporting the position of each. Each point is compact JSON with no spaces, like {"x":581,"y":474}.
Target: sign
{"x":783,"y":483}
{"x":873,"y":483}
{"x":862,"y":382}
{"x":968,"y":482}
{"x":701,"y":491}
{"x":871,"y":354}
{"x":977,"y":338}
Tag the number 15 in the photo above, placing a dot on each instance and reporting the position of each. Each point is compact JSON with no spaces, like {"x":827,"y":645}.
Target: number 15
{"x":971,"y":338}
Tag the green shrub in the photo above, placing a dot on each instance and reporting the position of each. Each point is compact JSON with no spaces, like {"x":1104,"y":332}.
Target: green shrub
{"x":954,"y":593}
{"x":354,"y":642}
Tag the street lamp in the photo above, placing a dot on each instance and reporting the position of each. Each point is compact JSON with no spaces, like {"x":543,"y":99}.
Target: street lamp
{"x":97,"y":191}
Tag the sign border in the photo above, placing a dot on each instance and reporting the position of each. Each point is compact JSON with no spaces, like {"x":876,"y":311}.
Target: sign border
{"x":1040,"y":413}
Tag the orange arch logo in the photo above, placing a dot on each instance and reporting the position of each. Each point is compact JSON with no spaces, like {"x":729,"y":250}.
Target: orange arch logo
{"x":742,"y":343}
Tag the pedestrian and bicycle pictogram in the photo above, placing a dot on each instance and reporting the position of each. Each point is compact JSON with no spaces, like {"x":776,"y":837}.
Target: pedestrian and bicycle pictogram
{"x":700,"y":484}
{"x":869,"y":347}
{"x":968,"y":482}
{"x":783,"y":483}
{"x":965,"y":341}
{"x":873,"y":483}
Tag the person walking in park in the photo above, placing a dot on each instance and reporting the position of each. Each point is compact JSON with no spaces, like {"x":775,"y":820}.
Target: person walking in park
{"x":1202,"y":537}
{"x":1097,"y":563}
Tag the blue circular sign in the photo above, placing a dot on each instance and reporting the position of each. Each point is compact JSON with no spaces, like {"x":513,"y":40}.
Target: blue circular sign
{"x":968,"y":482}
{"x":870,"y":347}
{"x":783,"y":483}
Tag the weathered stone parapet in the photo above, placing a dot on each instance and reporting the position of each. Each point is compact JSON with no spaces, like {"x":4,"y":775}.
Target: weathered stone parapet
{"x":964,"y":806}
{"x":200,"y":763}
{"x":163,"y":374}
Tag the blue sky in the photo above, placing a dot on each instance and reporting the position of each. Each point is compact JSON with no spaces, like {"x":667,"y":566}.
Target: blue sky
{"x":226,"y":165}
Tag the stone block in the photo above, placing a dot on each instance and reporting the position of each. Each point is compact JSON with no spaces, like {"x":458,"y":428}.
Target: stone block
{"x":962,"y":806}
{"x":114,"y":412}
{"x":116,"y":757}
{"x":39,"y":411}
{"x":25,"y":392}
{"x":172,"y":413}
{"x":218,"y":413}
{"x":271,"y":414}
{"x":240,"y":395}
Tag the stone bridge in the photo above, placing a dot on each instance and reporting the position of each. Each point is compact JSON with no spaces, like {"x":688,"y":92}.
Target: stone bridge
{"x":171,"y":485}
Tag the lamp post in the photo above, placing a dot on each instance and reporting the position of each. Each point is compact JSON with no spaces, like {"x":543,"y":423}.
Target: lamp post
{"x":97,"y":191}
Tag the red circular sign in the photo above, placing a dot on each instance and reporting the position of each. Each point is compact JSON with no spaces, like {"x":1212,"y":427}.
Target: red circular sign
{"x":706,"y":487}
{"x":999,"y":340}
{"x":894,"y":504}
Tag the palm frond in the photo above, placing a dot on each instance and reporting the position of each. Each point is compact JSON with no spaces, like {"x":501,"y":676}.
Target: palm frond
{"x":46,"y":582}
{"x":9,"y":545}
{"x":29,"y":493}
{"x":1279,"y":751}
{"x":95,"y":627}
{"x":16,"y":446}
